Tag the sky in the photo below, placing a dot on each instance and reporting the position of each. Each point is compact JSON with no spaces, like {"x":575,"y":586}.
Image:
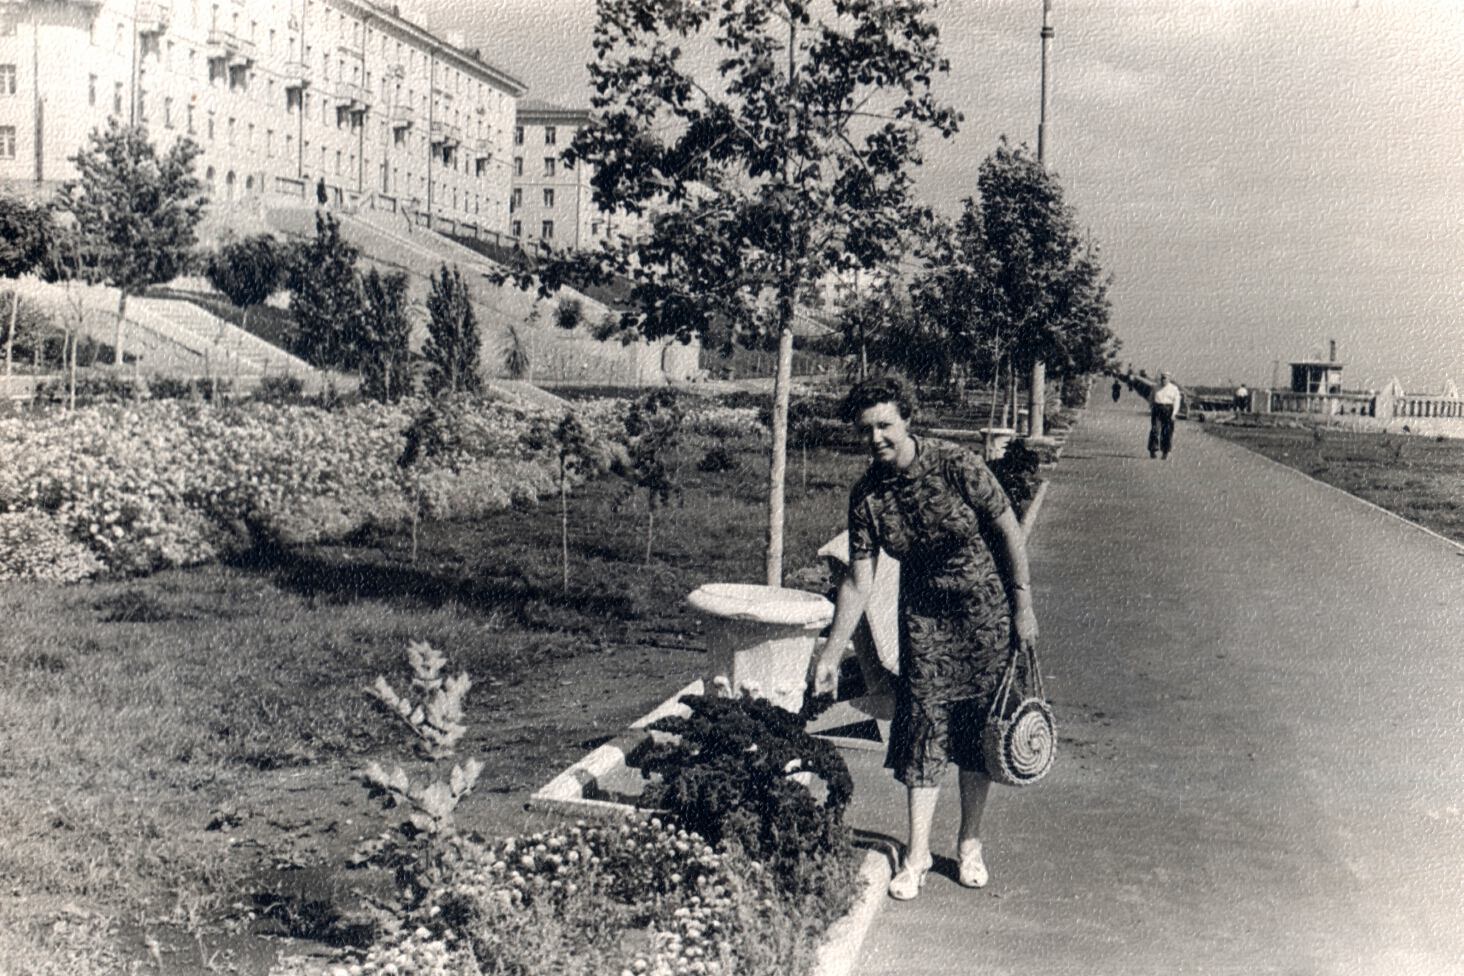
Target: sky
{"x":1262,"y":177}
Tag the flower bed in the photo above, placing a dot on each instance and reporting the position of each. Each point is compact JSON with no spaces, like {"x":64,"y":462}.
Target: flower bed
{"x":165,"y":483}
{"x":744,"y":874}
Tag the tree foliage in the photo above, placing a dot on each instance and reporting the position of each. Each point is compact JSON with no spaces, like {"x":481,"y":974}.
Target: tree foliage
{"x":767,"y":143}
{"x":248,"y":271}
{"x":1011,"y":281}
{"x":386,"y":334}
{"x":135,"y":211}
{"x":24,"y":232}
{"x":452,"y":349}
{"x":325,"y":299}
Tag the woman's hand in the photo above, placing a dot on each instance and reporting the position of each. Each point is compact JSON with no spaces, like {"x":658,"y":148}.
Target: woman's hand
{"x":826,"y":660}
{"x":1024,"y":623}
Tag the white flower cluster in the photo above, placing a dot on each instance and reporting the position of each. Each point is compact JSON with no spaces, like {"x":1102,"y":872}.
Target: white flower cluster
{"x":725,"y":422}
{"x":164,"y":483}
{"x":415,"y":953}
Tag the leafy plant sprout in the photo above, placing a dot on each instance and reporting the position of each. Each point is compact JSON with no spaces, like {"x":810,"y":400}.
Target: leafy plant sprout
{"x":437,"y":719}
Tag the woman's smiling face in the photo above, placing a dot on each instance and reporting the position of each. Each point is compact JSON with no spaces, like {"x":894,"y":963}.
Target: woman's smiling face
{"x":886,"y":433}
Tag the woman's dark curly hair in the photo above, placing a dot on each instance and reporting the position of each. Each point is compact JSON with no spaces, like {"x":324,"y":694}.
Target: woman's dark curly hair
{"x":880,"y":389}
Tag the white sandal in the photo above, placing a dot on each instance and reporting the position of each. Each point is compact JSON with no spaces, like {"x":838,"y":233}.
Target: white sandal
{"x":907,"y":884}
{"x":973,"y":868}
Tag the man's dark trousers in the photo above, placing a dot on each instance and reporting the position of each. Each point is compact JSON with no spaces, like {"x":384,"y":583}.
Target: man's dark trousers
{"x":1161,"y":428}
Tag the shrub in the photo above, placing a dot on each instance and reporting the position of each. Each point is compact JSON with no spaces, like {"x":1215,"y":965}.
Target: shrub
{"x":731,"y":778}
{"x":279,"y":389}
{"x":1016,"y":470}
{"x":34,"y":547}
{"x":717,"y":459}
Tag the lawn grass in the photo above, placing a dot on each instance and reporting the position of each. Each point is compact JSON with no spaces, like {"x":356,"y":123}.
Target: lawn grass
{"x":177,"y":747}
{"x":1419,"y":478}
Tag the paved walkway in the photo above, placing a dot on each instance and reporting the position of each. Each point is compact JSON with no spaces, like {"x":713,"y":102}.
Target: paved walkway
{"x":1257,"y":683}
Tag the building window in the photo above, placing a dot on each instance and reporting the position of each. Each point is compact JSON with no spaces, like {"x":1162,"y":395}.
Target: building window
{"x":91,"y":90}
{"x":546,"y":230}
{"x":210,"y":129}
{"x":117,"y":99}
{"x":516,"y":199}
{"x":548,"y":165}
{"x":518,"y":166}
{"x":550,"y":135}
{"x":167,"y":113}
{"x":7,"y":79}
{"x":7,"y":142}
{"x":516,"y":228}
{"x":518,"y":135}
{"x":190,"y":120}
{"x":548,"y":197}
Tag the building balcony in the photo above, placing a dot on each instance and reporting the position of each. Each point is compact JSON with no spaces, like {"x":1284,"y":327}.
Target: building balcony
{"x":297,"y":74}
{"x":153,"y":17}
{"x":357,"y":97}
{"x":230,"y":47}
{"x":482,"y":148}
{"x":403,"y":116}
{"x":446,"y":134}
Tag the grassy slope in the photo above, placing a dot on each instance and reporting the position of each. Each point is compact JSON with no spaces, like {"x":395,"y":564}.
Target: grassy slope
{"x":136,"y":710}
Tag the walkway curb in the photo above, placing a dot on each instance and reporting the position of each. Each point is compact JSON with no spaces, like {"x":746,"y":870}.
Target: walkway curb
{"x":840,"y":949}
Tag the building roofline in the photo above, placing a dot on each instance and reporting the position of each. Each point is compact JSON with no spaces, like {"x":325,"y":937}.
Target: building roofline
{"x":368,"y":10}
{"x":533,"y":112}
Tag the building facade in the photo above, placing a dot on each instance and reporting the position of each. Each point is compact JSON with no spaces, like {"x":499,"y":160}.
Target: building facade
{"x":299,"y":98}
{"x":553,"y":203}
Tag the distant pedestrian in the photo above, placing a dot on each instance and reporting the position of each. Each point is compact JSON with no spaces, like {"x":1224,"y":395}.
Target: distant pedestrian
{"x":1164,"y":403}
{"x":1242,"y":399}
{"x":1117,"y":390}
{"x":965,"y":602}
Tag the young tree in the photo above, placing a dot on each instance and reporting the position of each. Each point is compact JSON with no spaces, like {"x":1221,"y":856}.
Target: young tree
{"x":249,"y":271}
{"x":452,"y":349}
{"x":386,"y":367}
{"x":24,"y":232}
{"x":573,"y":448}
{"x":653,"y":430}
{"x":325,"y":299}
{"x":771,"y":142}
{"x":1045,"y":291}
{"x":135,"y":211}
{"x":1012,"y":283}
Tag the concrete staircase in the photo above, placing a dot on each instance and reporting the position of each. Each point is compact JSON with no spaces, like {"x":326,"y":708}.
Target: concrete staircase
{"x":177,"y":337}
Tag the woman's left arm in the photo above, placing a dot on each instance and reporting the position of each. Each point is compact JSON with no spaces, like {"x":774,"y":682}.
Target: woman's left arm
{"x":1018,"y":578}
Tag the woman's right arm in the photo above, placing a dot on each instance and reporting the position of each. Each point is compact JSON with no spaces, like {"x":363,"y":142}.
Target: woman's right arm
{"x":849,"y":607}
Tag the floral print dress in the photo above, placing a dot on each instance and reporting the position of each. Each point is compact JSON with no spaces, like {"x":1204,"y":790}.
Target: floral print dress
{"x":938,"y":518}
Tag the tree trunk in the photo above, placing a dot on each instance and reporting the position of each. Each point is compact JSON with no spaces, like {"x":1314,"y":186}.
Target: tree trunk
{"x":778,"y":470}
{"x":10,"y":336}
{"x":650,"y":524}
{"x":121,"y":315}
{"x":1037,"y":400}
{"x":564,"y":523}
{"x":72,"y":404}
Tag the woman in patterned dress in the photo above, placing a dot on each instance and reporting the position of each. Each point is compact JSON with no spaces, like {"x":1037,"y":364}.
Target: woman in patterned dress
{"x":964,"y":591}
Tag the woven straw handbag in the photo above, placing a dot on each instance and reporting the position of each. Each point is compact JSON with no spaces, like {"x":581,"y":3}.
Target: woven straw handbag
{"x":1020,"y":739}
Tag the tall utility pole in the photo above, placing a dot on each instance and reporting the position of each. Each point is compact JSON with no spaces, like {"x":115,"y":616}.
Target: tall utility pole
{"x":1037,"y":394}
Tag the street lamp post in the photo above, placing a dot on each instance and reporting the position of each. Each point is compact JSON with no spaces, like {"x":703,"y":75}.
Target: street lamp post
{"x":1037,"y":393}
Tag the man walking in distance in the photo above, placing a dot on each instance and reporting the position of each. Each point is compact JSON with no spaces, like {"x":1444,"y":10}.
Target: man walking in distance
{"x":1163,"y":407}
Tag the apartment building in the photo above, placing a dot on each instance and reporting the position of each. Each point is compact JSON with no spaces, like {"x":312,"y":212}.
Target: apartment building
{"x":553,"y":203}
{"x":286,"y":97}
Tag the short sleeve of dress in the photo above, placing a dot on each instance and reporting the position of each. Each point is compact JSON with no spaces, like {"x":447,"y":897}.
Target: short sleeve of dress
{"x":970,"y":475}
{"x":862,"y":541}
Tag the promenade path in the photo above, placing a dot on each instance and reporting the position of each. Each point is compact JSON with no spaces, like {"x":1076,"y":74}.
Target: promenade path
{"x":1257,"y":681}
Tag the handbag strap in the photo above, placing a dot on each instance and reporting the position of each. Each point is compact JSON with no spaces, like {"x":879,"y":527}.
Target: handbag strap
{"x":1035,"y":686}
